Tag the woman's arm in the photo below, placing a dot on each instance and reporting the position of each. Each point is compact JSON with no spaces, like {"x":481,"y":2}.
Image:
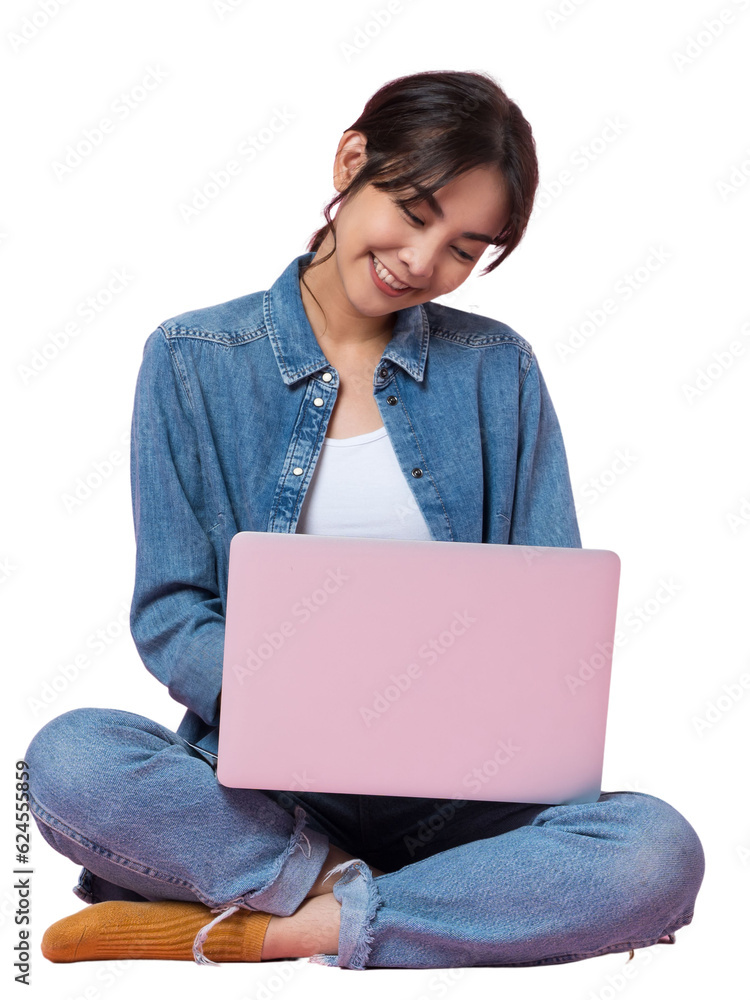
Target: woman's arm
{"x":176,"y":615}
{"x":543,"y":508}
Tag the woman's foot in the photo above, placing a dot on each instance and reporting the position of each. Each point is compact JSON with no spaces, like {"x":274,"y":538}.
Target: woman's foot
{"x":314,"y":926}
{"x":312,"y":929}
{"x":167,"y":929}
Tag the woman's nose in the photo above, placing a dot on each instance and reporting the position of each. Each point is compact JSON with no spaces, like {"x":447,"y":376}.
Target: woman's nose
{"x":419,"y":262}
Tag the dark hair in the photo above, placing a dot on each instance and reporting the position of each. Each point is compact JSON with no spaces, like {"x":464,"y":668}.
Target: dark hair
{"x":424,"y":130}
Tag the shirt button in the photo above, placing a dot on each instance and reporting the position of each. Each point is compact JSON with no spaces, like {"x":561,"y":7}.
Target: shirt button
{"x":417,"y":473}
{"x":327,"y":376}
{"x":392,"y":400}
{"x":383,"y":372}
{"x":318,"y":401}
{"x":298,"y":471}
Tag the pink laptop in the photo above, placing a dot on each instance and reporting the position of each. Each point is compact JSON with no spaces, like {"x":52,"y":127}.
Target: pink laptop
{"x":454,"y":670}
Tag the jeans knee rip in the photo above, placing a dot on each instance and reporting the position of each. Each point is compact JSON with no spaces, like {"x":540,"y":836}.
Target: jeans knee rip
{"x":295,"y":841}
{"x":359,"y":904}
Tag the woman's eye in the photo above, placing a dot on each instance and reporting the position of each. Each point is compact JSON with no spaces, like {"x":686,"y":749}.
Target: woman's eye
{"x":409,"y":215}
{"x":413,"y":218}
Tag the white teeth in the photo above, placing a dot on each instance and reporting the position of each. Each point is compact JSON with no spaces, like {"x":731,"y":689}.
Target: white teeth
{"x":385,"y":275}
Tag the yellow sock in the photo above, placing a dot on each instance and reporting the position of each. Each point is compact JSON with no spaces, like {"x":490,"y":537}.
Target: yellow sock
{"x":164,"y":929}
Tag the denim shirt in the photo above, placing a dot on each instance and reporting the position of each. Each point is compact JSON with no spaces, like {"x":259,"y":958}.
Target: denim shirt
{"x":231,"y":408}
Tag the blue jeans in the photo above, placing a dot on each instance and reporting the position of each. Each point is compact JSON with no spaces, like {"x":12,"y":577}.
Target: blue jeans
{"x":465,"y":884}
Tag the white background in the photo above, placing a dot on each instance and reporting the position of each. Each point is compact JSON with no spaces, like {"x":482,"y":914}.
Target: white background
{"x":674,"y":179}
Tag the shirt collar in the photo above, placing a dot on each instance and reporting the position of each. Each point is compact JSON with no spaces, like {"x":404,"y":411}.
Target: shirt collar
{"x":296,"y":347}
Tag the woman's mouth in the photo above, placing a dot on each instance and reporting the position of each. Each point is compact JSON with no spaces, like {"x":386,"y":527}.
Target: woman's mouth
{"x":384,"y":280}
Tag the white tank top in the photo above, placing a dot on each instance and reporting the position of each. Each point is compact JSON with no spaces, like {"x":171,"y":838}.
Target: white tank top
{"x":358,"y":488}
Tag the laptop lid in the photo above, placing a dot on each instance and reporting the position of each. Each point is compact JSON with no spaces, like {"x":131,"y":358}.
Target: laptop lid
{"x":401,"y":667}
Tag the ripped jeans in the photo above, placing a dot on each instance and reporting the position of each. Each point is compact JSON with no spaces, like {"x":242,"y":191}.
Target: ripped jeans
{"x":465,"y":883}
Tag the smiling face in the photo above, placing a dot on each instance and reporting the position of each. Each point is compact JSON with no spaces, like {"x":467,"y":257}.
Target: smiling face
{"x":431,"y":248}
{"x":426,"y":248}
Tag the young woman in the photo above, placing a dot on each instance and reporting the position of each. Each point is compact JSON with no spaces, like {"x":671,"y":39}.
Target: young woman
{"x":344,"y":400}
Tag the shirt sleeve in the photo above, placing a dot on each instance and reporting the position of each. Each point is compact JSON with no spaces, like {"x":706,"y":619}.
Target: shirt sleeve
{"x":543,"y":508}
{"x":176,"y":615}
